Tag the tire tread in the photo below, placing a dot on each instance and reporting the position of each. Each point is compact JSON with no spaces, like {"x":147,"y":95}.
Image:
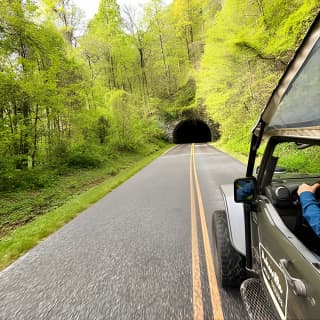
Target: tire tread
{"x":231,"y":264}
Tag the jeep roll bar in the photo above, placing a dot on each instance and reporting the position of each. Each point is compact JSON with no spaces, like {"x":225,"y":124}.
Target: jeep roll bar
{"x":256,"y":138}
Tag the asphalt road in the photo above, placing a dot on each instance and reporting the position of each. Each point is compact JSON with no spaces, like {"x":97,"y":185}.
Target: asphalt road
{"x":132,"y":255}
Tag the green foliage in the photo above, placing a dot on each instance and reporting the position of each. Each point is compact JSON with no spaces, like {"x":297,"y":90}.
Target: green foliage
{"x":22,"y":179}
{"x":181,"y":101}
{"x":298,"y":161}
{"x":247,"y":49}
{"x":86,"y":156}
{"x":62,"y":106}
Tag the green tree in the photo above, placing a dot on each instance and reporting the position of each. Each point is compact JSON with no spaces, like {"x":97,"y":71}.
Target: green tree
{"x":68,"y":18}
{"x":247,"y":49}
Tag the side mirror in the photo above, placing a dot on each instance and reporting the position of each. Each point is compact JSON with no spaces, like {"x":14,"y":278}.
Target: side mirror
{"x":280,"y":170}
{"x":277,"y":170}
{"x":245,"y":190}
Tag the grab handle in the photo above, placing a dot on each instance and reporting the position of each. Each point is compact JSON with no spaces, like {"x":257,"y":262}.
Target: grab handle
{"x":297,"y":285}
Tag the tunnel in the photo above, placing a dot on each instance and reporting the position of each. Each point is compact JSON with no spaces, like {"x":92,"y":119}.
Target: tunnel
{"x":191,"y":131}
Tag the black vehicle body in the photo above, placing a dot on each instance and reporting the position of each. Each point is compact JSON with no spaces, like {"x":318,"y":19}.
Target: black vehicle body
{"x":265,"y":233}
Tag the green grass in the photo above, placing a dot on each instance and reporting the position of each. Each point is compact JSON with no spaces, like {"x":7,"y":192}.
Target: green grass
{"x":294,"y":160}
{"x":234,"y":153}
{"x":239,"y":150}
{"x":236,"y":148}
{"x":25,"y":236}
{"x":298,"y":160}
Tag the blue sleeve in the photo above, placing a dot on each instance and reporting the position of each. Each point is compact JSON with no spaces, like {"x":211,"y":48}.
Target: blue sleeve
{"x":311,"y":210}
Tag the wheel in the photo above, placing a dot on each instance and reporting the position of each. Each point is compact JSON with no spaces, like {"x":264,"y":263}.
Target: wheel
{"x":230,"y":264}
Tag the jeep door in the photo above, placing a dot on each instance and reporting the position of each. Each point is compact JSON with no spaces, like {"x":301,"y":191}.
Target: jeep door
{"x":290,"y":272}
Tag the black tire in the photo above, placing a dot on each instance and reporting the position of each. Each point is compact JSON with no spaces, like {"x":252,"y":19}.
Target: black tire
{"x":230,"y":263}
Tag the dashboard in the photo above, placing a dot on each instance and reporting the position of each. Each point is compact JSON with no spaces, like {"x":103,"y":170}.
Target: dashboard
{"x":283,"y":193}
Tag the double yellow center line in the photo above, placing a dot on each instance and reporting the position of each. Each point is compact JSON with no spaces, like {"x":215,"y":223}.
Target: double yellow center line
{"x":198,"y":313}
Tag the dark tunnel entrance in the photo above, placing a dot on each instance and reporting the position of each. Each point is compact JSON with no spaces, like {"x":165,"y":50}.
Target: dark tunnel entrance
{"x":191,"y":131}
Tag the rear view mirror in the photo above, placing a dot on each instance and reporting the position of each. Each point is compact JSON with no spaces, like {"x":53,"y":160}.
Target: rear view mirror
{"x":245,"y":190}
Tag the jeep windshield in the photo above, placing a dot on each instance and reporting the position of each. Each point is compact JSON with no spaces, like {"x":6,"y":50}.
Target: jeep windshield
{"x":293,"y":109}
{"x":299,"y":107}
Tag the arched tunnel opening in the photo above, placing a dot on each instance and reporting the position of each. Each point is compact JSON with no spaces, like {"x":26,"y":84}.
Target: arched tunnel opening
{"x":192,"y":131}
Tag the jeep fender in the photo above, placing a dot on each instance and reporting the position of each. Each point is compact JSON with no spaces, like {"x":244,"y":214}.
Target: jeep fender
{"x":235,"y":216}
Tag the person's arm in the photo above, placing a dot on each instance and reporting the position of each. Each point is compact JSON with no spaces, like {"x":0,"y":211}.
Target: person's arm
{"x":310,"y":206}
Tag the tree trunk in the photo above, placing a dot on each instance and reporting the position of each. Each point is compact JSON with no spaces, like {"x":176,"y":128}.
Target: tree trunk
{"x":188,"y":47}
{"x":49,"y":132}
{"x":260,"y":5}
{"x":35,"y":137}
{"x":113,"y":72}
{"x":166,"y":69}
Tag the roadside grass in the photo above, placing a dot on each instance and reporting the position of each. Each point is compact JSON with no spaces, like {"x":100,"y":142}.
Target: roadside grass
{"x":239,"y":149}
{"x":305,"y":161}
{"x":297,"y":160}
{"x":25,"y":235}
{"x":242,"y":157}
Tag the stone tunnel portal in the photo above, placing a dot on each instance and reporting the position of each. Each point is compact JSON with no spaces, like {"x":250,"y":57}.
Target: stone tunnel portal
{"x":191,"y":131}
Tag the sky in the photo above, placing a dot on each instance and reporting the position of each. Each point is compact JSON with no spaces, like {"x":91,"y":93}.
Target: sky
{"x":90,"y":7}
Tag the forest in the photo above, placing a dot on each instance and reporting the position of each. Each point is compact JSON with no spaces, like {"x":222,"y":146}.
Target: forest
{"x":80,"y":101}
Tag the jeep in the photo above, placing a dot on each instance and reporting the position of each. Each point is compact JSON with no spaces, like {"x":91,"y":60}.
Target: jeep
{"x":262,"y":241}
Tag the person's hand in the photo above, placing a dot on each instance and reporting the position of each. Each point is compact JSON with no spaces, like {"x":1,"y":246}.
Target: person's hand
{"x":305,"y":187}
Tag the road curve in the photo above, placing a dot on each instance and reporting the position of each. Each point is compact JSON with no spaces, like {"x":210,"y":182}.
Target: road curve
{"x":135,"y":253}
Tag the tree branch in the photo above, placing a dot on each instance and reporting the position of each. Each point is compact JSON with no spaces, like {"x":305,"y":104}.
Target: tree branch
{"x":245,"y":45}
